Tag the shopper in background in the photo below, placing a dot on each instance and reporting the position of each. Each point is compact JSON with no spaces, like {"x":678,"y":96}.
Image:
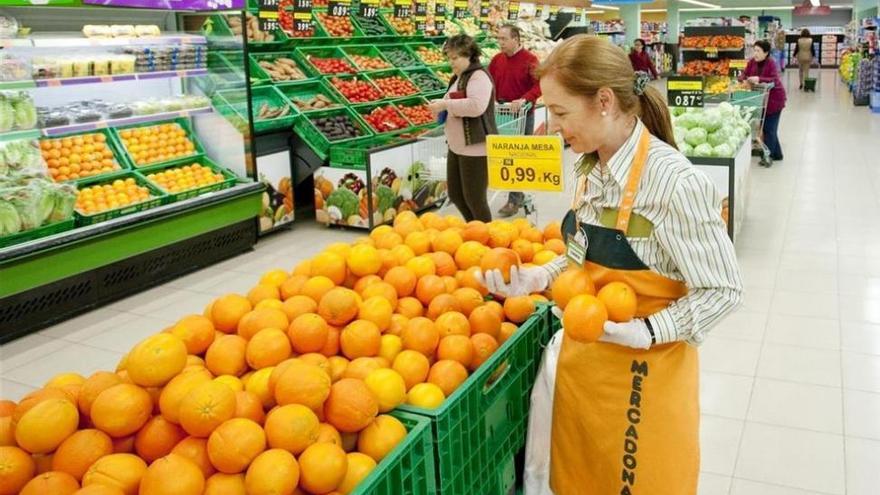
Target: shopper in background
{"x":762,"y":69}
{"x":625,"y":410}
{"x":640,"y":60}
{"x":469,"y":112}
{"x":804,"y":52}
{"x":515,"y":83}
{"x":779,"y":49}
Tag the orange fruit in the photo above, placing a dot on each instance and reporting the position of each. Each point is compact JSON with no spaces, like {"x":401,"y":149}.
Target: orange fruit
{"x":338,"y":365}
{"x":80,"y":450}
{"x":469,"y":254}
{"x":360,"y":338}
{"x":235,"y":444}
{"x":412,"y":366}
{"x":178,"y":388}
{"x":500,"y":236}
{"x":303,"y":268}
{"x":7,"y":431}
{"x":227,"y":310}
{"x":448,"y":375}
{"x":363,"y":282}
{"x":225,"y":484}
{"x":420,"y":334}
{"x":467,"y":278}
{"x":292,"y":286}
{"x":497,"y":307}
{"x":361,"y":367}
{"x":389,"y":240}
{"x":275,"y":277}
{"x":338,"y":306}
{"x":359,"y":467}
{"x":156,"y":438}
{"x":297,"y":306}
{"x":422,"y":266}
{"x":451,"y":283}
{"x":402,"y":279}
{"x":398,"y":322}
{"x":381,"y":436}
{"x":94,"y":385}
{"x":62,"y":380}
{"x":401,"y":254}
{"x":410,"y":307}
{"x":484,"y":346}
{"x":54,"y":482}
{"x":382,"y":289}
{"x":316,"y":287}
{"x":318,"y":360}
{"x":363,"y":260}
{"x":327,"y":433}
{"x":260,"y":319}
{"x":258,"y":384}
{"x":524,"y":249}
{"x":405,"y":228}
{"x":468,"y":299}
{"x":507,"y":331}
{"x":322,"y":468}
{"x":302,"y":383}
{"x":205,"y":407}
{"x":404,"y":216}
{"x":121,"y":410}
{"x":447,"y":241}
{"x":195,"y":331}
{"x":267,"y":348}
{"x":418,"y":241}
{"x":156,"y":360}
{"x":350,"y":406}
{"x":292,"y":427}
{"x":196,"y":450}
{"x":308,"y":333}
{"x":8,"y":406}
{"x":518,"y":309}
{"x":388,"y":387}
{"x":484,"y":319}
{"x":227,"y":356}
{"x":16,"y":469}
{"x":122,"y":471}
{"x":263,"y":292}
{"x":444,"y":263}
{"x":584,"y":318}
{"x":532,"y":235}
{"x":274,"y":472}
{"x":390,"y":346}
{"x":555,"y":245}
{"x":457,"y":348}
{"x":341,"y":248}
{"x":620,"y":301}
{"x":99,"y":490}
{"x":453,"y":323}
{"x":553,"y":230}
{"x":330,"y":265}
{"x":331,"y":346}
{"x":501,"y":259}
{"x":172,"y":475}
{"x":570,"y":283}
{"x":425,"y":395}
{"x":544,"y":257}
{"x":429,"y":287}
{"x":249,"y":406}
{"x":442,"y":303}
{"x":476,"y":231}
{"x":378,"y":310}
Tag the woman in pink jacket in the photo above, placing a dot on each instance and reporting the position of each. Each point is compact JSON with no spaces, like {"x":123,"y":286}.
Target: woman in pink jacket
{"x":762,"y":69}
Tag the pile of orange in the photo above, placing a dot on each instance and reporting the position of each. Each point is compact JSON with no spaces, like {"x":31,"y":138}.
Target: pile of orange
{"x":109,"y":196}
{"x":156,"y":143}
{"x":184,"y":178}
{"x":77,"y":157}
{"x":284,"y":389}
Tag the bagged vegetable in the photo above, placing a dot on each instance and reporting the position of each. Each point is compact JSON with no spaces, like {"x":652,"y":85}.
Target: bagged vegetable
{"x":64,"y":200}
{"x":24,"y":111}
{"x":10,"y":222}
{"x":7,"y":115}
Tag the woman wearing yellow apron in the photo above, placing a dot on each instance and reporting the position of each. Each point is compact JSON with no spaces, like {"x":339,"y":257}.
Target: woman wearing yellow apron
{"x":624,"y":417}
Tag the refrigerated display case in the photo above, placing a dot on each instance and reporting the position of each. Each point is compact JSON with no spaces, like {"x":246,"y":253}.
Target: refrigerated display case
{"x":121,"y":162}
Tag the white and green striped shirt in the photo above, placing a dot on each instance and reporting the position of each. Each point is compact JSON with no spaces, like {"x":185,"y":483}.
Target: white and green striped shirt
{"x":689,"y":239}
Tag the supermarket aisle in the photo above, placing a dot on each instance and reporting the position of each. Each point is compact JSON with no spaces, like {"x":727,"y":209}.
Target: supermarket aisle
{"x":790,"y":382}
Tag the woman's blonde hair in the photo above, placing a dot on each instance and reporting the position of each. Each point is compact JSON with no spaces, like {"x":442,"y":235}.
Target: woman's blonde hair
{"x":584,"y":64}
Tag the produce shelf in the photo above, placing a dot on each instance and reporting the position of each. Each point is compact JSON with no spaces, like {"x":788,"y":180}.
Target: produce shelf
{"x":709,"y":48}
{"x":17,"y":135}
{"x":112,"y":78}
{"x":102,"y":124}
{"x":77,"y":40}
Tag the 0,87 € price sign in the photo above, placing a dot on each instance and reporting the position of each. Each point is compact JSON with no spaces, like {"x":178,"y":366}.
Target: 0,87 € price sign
{"x":685,"y":91}
{"x":339,"y":8}
{"x":525,"y":163}
{"x":369,"y":8}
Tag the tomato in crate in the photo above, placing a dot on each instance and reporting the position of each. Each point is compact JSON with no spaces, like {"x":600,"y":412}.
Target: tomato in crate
{"x":385,"y":119}
{"x":418,"y":114}
{"x":331,"y":65}
{"x":395,"y":86}
{"x":356,"y":90}
{"x":336,"y":26}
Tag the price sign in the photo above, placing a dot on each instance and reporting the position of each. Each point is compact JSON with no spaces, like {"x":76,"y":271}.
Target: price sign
{"x":554,"y":13}
{"x":339,"y":8}
{"x":421,"y":8}
{"x":267,"y":5}
{"x":368,"y":8}
{"x":268,"y":24}
{"x":460,"y":9}
{"x":735,"y":68}
{"x":402,"y":8}
{"x":302,"y":15}
{"x":268,"y":17}
{"x":513,"y":11}
{"x":484,"y":15}
{"x":685,"y":91}
{"x":525,"y":163}
{"x":578,"y":15}
{"x":711,"y":52}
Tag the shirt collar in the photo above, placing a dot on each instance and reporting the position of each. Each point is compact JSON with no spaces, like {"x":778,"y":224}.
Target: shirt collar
{"x":621,"y":162}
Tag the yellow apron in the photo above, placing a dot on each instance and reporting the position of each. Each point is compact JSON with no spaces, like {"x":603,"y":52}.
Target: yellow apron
{"x":625,"y":421}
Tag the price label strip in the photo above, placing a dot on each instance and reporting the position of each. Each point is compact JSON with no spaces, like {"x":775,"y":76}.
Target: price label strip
{"x":711,"y":52}
{"x":368,"y":8}
{"x":578,"y":15}
{"x":525,"y":163}
{"x":513,"y":11}
{"x":460,"y":9}
{"x":735,"y":68}
{"x":402,"y":8}
{"x":302,"y":15}
{"x":267,"y":16}
{"x":484,"y":14}
{"x":685,"y":91}
{"x":339,"y":8}
{"x":554,"y":13}
{"x":420,"y":14}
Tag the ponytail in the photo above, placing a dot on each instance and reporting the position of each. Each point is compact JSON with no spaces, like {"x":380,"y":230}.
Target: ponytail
{"x":655,"y":115}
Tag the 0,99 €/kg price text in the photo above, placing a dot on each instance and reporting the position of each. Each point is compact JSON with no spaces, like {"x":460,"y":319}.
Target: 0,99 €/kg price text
{"x":525,"y":163}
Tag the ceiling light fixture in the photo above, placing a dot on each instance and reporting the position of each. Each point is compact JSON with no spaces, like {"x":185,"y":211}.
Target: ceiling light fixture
{"x":605,"y":7}
{"x":814,"y":3}
{"x":735,"y":9}
{"x":701,"y":4}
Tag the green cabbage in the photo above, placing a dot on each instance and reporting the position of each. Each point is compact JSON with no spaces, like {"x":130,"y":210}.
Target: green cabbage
{"x":10,"y":222}
{"x":686,"y":121}
{"x":345,"y":200}
{"x":718,"y":137}
{"x":712,"y":120}
{"x":686,"y":149}
{"x":703,"y":149}
{"x":25,"y":113}
{"x":64,"y":200}
{"x":7,"y":115}
{"x":696,"y":136}
{"x":723,"y":150}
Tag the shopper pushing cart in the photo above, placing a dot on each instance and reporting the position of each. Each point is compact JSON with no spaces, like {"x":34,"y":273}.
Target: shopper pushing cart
{"x":761,"y":69}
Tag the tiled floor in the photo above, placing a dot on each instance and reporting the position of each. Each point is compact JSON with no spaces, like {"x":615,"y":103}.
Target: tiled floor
{"x":791,"y":381}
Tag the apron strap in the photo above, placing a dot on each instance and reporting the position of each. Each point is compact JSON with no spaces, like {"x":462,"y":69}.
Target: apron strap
{"x":632,"y":184}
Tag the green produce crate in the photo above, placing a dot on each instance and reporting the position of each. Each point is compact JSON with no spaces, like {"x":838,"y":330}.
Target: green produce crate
{"x":364,"y":109}
{"x":413,"y":101}
{"x":479,"y":428}
{"x":235,"y":107}
{"x":319,"y":143}
{"x":363,"y":24}
{"x":110,"y":140}
{"x":228,"y":181}
{"x":199,"y":150}
{"x":235,"y":61}
{"x":357,"y":30}
{"x":444,"y":69}
{"x":307,"y":90}
{"x":256,"y":58}
{"x":400,"y":56}
{"x":381,"y":74}
{"x":415,"y":46}
{"x":365,"y":50}
{"x":302,"y":54}
{"x":40,"y":232}
{"x":220,"y":27}
{"x":387,"y":15}
{"x":357,"y":152}
{"x":360,"y":77}
{"x":159,"y":198}
{"x":409,"y":468}
{"x":431,"y":84}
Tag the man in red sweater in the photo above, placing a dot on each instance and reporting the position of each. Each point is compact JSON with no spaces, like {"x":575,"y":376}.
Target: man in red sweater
{"x":512,"y":71}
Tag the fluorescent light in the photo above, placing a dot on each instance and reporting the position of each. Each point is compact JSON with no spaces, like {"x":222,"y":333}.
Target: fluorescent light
{"x":653,"y":11}
{"x":701,"y":4}
{"x":594,"y":12}
{"x":814,"y":3}
{"x":605,"y":7}
{"x":735,"y":8}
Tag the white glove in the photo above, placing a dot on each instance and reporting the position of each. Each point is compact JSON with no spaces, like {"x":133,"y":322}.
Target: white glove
{"x":523,"y":281}
{"x":633,"y":333}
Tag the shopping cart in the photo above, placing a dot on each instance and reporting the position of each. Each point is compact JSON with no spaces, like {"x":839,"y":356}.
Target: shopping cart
{"x":754,"y":102}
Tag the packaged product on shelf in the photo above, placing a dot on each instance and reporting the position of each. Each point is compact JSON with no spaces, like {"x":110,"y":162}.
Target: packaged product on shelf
{"x":147,"y":30}
{"x":8,"y":26}
{"x":13,"y":68}
{"x":17,"y":111}
{"x":119,"y":111}
{"x":122,"y":31}
{"x":97,"y":31}
{"x":82,"y":67}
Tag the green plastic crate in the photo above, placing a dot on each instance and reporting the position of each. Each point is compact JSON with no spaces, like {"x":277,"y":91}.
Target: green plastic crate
{"x":360,"y":22}
{"x":183,"y":122}
{"x":228,"y":181}
{"x":381,"y":74}
{"x":433,"y":86}
{"x":256,"y":58}
{"x":442,"y":69}
{"x":357,"y":152}
{"x":366,"y":108}
{"x":316,"y":140}
{"x":411,"y":102}
{"x":158,"y":198}
{"x":415,"y":46}
{"x":112,"y":143}
{"x":302,"y":55}
{"x":387,"y":15}
{"x":405,"y":53}
{"x":409,"y":468}
{"x":307,"y":90}
{"x":38,"y":233}
{"x":481,"y":427}
{"x":360,"y":77}
{"x":365,"y":50}
{"x":235,"y":61}
{"x":233,"y":105}
{"x":357,"y":30}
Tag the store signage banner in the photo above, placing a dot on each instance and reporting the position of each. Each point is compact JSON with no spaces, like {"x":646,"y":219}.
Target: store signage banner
{"x":171,"y":4}
{"x":525,"y":163}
